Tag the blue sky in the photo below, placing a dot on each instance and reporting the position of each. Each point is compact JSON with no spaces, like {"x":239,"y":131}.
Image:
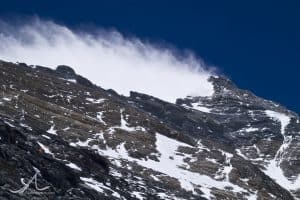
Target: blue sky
{"x":255,"y":43}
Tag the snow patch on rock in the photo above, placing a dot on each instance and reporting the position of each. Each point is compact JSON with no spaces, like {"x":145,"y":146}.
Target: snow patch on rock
{"x":52,"y":130}
{"x":74,"y":166}
{"x":45,"y":149}
{"x":172,"y":164}
{"x":273,"y":168}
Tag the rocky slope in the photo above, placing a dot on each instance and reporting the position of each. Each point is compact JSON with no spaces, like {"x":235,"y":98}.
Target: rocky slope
{"x":61,"y":137}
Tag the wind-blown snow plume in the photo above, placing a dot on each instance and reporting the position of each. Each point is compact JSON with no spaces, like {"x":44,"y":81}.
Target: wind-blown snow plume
{"x":109,"y":60}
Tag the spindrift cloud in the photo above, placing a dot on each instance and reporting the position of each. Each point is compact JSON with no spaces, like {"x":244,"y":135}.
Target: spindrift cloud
{"x":109,"y":60}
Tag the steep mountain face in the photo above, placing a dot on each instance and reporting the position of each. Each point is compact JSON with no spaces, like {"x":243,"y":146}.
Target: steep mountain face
{"x":61,"y":137}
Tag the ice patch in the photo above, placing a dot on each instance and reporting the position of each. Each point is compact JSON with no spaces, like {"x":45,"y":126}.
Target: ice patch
{"x":282,"y":118}
{"x":52,"y":130}
{"x":249,"y":129}
{"x":197,"y":106}
{"x":125,"y":126}
{"x":225,"y":171}
{"x":99,"y":187}
{"x":45,"y":149}
{"x":95,"y":101}
{"x":6,"y":99}
{"x":100,"y":117}
{"x":138,"y":195}
{"x":201,"y":108}
{"x":81,"y":144}
{"x":74,"y":166}
{"x":47,"y":137}
{"x":93,"y":184}
{"x":72,"y":80}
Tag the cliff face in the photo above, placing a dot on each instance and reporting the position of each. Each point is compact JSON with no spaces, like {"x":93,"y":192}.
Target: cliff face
{"x":61,"y":137}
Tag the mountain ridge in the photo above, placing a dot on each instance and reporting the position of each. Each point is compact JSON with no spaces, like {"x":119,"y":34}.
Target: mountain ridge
{"x":218,"y":147}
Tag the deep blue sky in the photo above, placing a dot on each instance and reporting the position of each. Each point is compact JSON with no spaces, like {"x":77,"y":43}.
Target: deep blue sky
{"x":255,"y":43}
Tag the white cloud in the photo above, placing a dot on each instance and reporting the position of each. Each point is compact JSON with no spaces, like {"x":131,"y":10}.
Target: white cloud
{"x":109,"y":60}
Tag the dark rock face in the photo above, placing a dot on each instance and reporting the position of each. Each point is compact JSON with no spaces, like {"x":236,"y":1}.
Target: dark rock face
{"x":7,"y":134}
{"x":19,"y":155}
{"x":66,"y":72}
{"x":82,"y":142}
